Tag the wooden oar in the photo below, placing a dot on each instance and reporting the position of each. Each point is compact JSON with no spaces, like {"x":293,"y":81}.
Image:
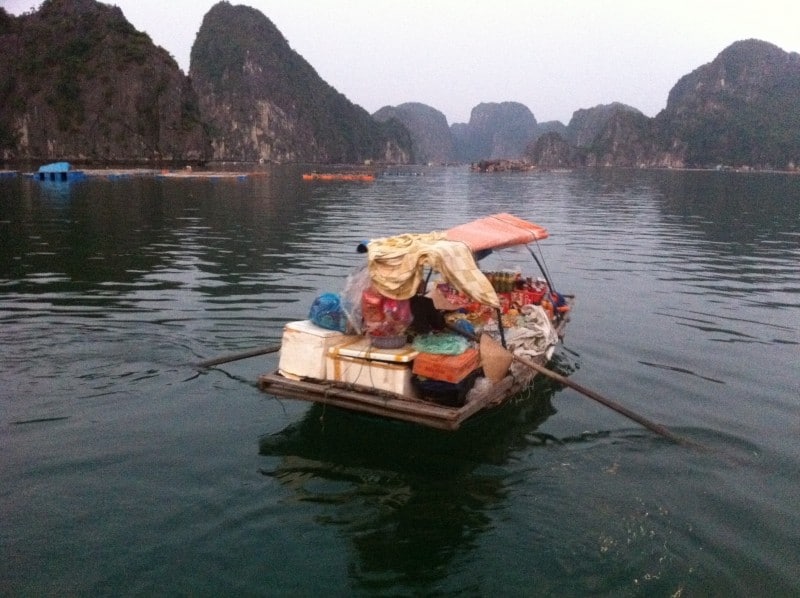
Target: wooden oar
{"x":237,"y":356}
{"x":640,"y":419}
{"x":621,"y":409}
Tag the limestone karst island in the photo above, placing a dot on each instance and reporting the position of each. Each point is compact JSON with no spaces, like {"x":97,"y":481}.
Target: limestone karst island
{"x":82,"y":84}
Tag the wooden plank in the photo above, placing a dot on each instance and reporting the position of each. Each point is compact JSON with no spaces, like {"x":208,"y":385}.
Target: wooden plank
{"x":398,"y":408}
{"x":367,"y":395}
{"x":431,"y":422}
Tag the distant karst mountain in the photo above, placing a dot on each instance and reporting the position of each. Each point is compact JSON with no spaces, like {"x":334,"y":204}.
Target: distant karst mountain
{"x":590,"y":135}
{"x":79,"y":82}
{"x":586,"y":124}
{"x":263,"y":102}
{"x":430,"y":135}
{"x":742,"y":110}
{"x":551,"y":150}
{"x":495,"y":130}
{"x":551,"y":126}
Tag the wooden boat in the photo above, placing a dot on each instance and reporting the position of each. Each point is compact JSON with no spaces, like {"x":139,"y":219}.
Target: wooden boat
{"x":394,"y":343}
{"x":339,"y":176}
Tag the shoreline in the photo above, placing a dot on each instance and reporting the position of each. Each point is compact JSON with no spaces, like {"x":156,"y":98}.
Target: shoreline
{"x":189,"y":173}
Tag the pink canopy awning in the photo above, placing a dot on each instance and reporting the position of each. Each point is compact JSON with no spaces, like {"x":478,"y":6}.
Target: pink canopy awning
{"x":496,"y":232}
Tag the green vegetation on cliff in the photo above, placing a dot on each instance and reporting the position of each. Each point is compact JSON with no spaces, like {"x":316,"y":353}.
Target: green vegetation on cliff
{"x":741,"y":109}
{"x":83,"y":84}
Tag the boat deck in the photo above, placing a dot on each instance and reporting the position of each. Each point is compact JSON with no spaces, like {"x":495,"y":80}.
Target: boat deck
{"x":391,"y":405}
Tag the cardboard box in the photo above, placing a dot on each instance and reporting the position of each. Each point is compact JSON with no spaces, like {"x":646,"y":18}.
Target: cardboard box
{"x":304,"y":349}
{"x":447,"y":368}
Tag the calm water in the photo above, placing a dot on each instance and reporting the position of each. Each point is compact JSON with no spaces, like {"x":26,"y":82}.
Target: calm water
{"x":125,"y":471}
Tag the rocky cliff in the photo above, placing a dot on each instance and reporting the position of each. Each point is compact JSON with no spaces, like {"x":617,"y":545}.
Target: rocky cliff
{"x":587,"y":123}
{"x":626,"y":140}
{"x":551,"y":150}
{"x":80,"y":83}
{"x":743,"y":108}
{"x":495,"y":130}
{"x":551,"y":126}
{"x":430,"y":135}
{"x":605,"y":135}
{"x":263,"y":102}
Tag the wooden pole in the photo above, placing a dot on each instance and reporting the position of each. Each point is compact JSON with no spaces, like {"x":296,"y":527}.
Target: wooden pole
{"x":237,"y":356}
{"x":621,"y":409}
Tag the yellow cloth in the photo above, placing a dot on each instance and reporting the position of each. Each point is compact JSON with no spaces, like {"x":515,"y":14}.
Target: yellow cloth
{"x":396,"y":266}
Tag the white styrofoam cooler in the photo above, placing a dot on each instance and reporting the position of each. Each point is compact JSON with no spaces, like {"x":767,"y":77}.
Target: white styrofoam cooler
{"x":304,"y":349}
{"x":356,"y":362}
{"x":361,"y":347}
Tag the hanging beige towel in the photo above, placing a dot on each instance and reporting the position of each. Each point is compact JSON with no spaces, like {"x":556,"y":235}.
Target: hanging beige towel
{"x":396,"y":266}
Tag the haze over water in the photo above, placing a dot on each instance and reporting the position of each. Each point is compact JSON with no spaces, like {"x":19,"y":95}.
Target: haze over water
{"x":127,"y":471}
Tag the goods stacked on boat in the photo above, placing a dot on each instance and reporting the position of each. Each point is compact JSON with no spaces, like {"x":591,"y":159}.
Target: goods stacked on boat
{"x":392,"y":349}
{"x":421,"y":333}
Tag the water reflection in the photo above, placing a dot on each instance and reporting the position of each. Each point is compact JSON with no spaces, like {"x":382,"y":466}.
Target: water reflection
{"x":687,"y":309}
{"x":739,"y":211}
{"x":57,"y":191}
{"x":409,"y":499}
{"x":173,"y":249}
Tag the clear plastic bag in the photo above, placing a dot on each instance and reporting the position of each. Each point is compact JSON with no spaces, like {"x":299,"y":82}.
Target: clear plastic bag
{"x":384,"y":316}
{"x":357,"y":282}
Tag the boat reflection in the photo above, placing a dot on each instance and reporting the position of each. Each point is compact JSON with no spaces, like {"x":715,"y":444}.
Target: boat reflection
{"x":408,"y":497}
{"x":56,"y":190}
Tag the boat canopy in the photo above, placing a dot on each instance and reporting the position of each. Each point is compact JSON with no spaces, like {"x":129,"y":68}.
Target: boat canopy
{"x":497,"y":231}
{"x":396,"y":264}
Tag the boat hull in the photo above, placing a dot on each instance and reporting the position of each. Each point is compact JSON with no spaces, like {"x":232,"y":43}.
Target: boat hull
{"x":390,"y":405}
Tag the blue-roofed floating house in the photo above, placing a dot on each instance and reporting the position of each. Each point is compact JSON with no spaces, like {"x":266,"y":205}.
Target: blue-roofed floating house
{"x":58,"y":171}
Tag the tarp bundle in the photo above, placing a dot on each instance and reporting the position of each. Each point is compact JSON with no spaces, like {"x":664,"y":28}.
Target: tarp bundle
{"x":396,"y":264}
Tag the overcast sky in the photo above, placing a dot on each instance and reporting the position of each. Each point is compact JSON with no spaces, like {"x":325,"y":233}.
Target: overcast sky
{"x":554,"y":56}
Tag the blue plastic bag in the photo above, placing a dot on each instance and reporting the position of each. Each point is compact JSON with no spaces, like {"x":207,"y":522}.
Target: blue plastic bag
{"x":327,"y":312}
